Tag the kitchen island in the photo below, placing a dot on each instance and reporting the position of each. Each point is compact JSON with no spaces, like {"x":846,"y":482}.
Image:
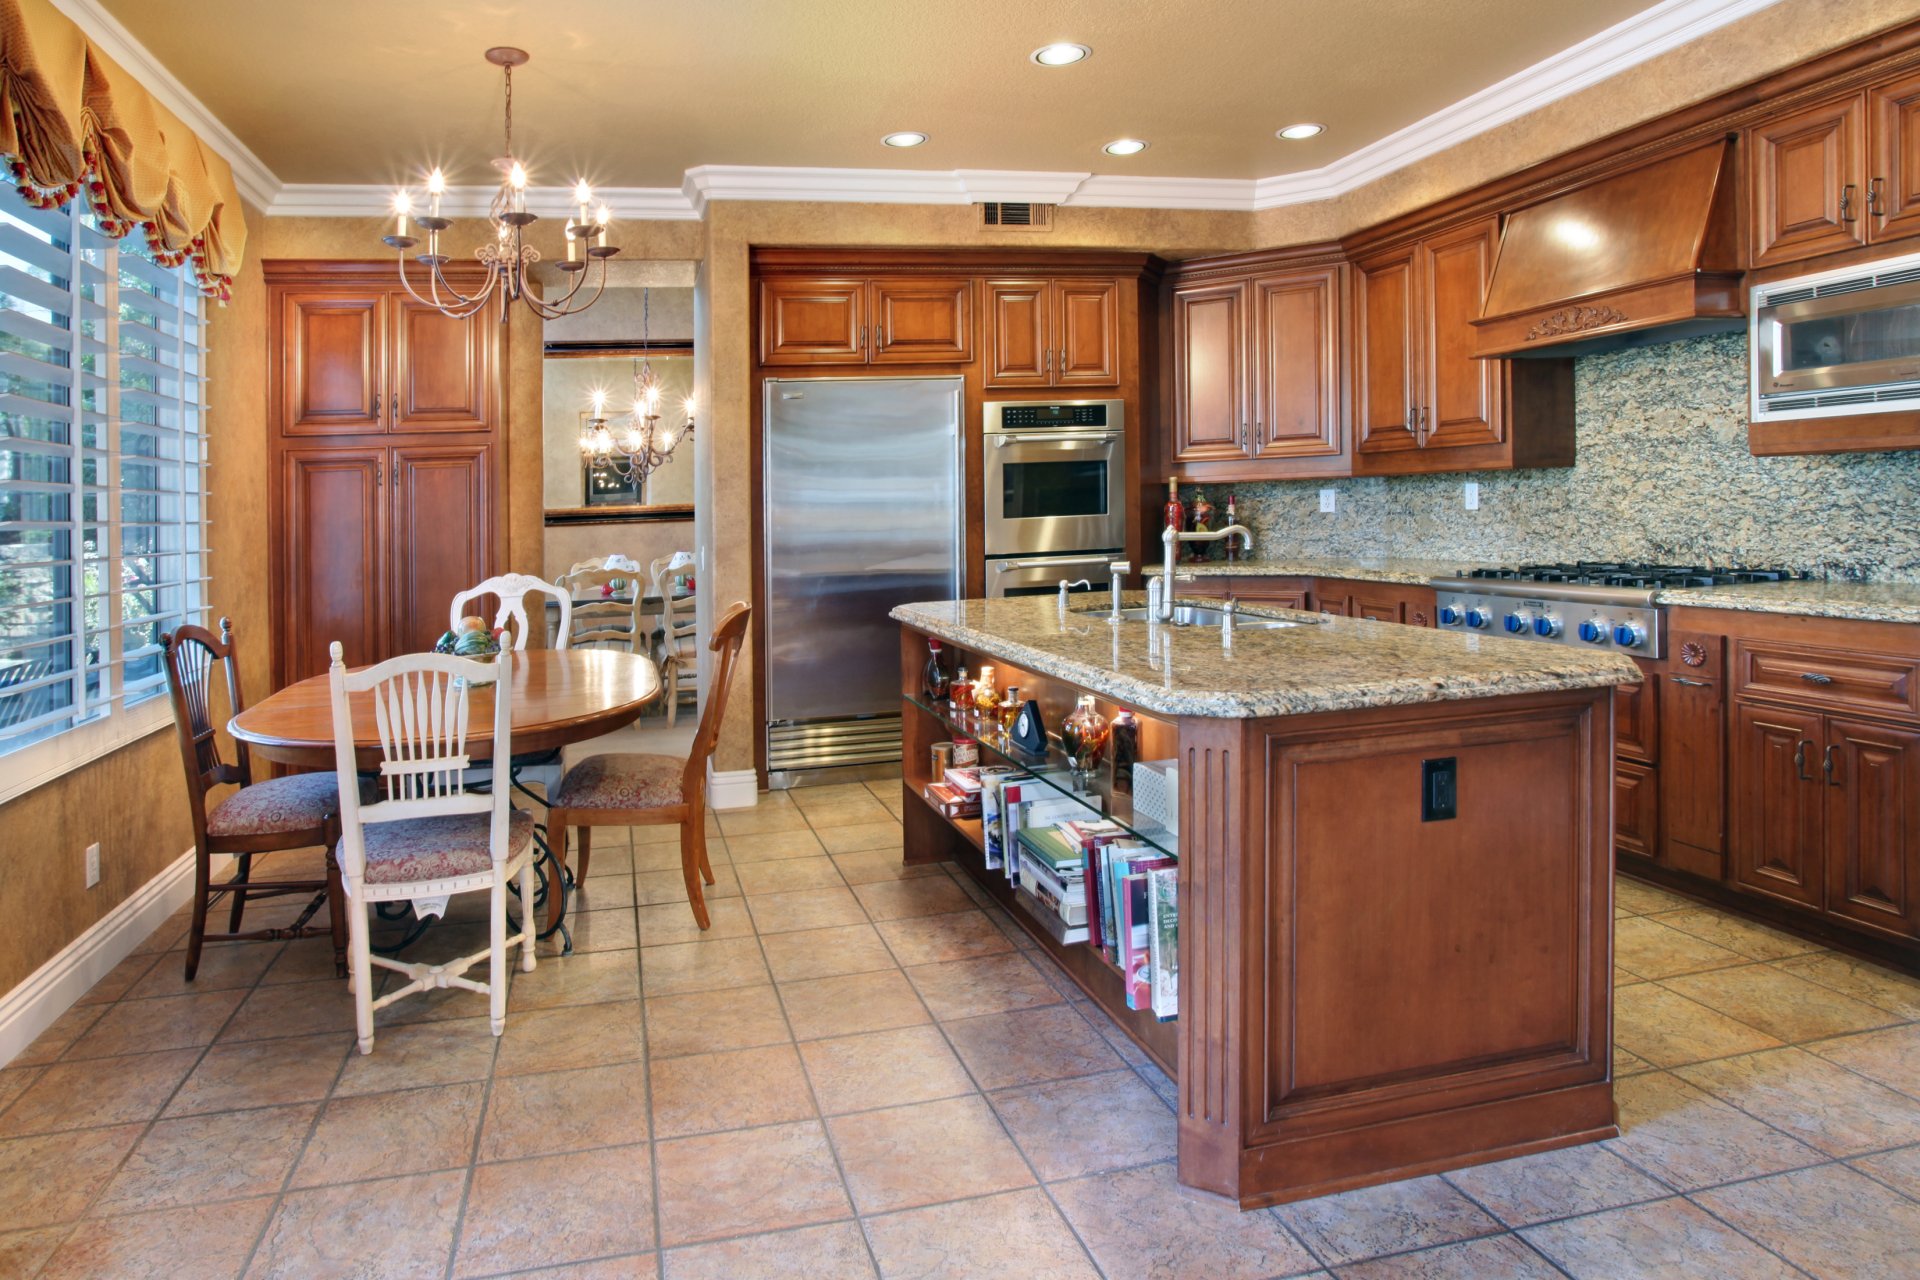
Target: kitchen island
{"x":1394,"y":875}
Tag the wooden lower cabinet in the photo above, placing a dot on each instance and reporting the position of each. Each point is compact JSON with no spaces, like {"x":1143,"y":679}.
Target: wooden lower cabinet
{"x":1873,"y":824}
{"x":1778,"y":797}
{"x":1380,"y":601}
{"x":1636,"y":809}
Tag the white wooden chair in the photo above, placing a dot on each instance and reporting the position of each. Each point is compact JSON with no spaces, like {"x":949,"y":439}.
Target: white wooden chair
{"x":679,"y":647}
{"x":598,"y":621}
{"x":512,"y":589}
{"x":428,"y":836}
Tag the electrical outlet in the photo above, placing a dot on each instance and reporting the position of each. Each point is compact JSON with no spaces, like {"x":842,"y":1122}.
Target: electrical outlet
{"x":1326,"y":501}
{"x":93,"y":865}
{"x":1471,"y":494}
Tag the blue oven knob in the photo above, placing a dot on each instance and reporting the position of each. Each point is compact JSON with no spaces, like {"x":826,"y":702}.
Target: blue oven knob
{"x":1546,"y":626}
{"x":1478,"y":617}
{"x":1515,"y":623}
{"x":1629,"y":635}
{"x":1594,"y":631}
{"x":1449,"y":616}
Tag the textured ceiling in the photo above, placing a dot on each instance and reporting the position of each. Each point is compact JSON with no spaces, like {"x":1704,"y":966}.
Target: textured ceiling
{"x":635,"y":92}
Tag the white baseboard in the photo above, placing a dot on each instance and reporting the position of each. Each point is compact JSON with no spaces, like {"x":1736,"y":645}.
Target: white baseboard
{"x":51,"y":990}
{"x":732,"y":789}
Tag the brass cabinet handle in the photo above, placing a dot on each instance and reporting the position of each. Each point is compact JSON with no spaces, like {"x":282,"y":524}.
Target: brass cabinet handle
{"x":1846,"y":203}
{"x":1814,"y":677}
{"x":1800,"y":759}
{"x":1875,"y":192}
{"x":1826,"y":764}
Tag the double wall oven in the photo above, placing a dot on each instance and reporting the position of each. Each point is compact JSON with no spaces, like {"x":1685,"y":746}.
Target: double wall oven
{"x":1054,"y":484}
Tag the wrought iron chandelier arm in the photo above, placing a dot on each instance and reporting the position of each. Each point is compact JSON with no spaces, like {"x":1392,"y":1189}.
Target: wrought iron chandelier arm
{"x":450,"y":307}
{"x":560,"y":306}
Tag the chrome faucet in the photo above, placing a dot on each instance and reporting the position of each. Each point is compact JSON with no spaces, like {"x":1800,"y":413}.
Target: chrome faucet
{"x":1171,"y":538}
{"x":1120,"y":569}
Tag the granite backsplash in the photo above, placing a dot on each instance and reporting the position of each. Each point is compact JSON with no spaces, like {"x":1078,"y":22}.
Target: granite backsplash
{"x":1663,"y":473}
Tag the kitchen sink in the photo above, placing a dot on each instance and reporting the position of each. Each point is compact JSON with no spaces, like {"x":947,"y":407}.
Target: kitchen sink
{"x":1195,"y":615}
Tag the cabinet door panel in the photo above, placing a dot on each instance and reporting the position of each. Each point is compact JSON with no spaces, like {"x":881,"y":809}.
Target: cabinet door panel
{"x":1018,"y":333}
{"x":1086,"y":333}
{"x":442,"y":536}
{"x":1296,"y":403}
{"x":1636,"y":808}
{"x":1281,"y":593}
{"x":333,"y":344}
{"x":1692,"y":727}
{"x":442,"y":370}
{"x":1777,"y":818}
{"x":1210,"y":372}
{"x":1808,"y":172}
{"x":922,"y":321}
{"x":1873,"y":825}
{"x":812,"y":322}
{"x":1385,"y":354}
{"x":1461,"y":407}
{"x":1381,"y":603}
{"x":1636,"y":717}
{"x":331,"y":584}
{"x":1893,"y":178}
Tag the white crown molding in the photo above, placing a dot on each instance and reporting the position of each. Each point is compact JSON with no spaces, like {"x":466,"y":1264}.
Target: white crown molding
{"x":256,"y":183}
{"x":344,"y":200}
{"x":1119,"y":191}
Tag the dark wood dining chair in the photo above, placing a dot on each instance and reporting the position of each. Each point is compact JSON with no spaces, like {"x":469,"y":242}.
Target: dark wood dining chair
{"x":296,"y":812}
{"x":634,"y":789}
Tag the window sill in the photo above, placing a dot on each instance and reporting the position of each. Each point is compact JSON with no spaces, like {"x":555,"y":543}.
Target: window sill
{"x":37,"y":765}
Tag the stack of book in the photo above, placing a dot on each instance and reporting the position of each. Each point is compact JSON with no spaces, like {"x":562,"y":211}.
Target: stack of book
{"x":957,"y":793}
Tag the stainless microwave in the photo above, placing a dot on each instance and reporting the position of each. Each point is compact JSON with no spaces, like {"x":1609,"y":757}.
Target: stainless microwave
{"x":1054,"y":476}
{"x":1838,"y":342}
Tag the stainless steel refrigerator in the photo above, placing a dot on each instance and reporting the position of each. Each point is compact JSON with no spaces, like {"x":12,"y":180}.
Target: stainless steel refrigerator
{"x":864,"y":510}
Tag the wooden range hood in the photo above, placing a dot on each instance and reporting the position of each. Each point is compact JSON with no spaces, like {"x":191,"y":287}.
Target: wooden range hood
{"x":1639,"y":257}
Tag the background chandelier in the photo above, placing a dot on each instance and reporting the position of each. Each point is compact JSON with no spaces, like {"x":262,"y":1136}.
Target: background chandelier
{"x":507,"y":257}
{"x":642,"y":445}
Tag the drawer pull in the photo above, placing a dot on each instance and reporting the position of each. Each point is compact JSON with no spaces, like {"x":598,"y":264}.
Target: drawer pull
{"x":1814,"y":677}
{"x":1826,"y":765}
{"x":1800,"y":759}
{"x":1691,"y":682}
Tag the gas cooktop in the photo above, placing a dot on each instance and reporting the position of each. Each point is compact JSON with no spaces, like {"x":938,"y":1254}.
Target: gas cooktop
{"x":1633,"y":573}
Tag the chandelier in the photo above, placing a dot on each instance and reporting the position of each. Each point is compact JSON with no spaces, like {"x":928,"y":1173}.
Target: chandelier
{"x":642,"y":445}
{"x":507,"y":258}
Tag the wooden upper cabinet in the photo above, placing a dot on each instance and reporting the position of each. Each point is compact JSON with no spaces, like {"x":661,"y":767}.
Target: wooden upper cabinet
{"x":1893,"y":179}
{"x":810,"y":321}
{"x":441,"y":532}
{"x":1461,"y":405}
{"x":1086,"y":329}
{"x":921,"y":320}
{"x":333,"y":352}
{"x":1211,"y":418}
{"x":1808,"y":182}
{"x":1017,"y":338}
{"x":441,"y":376}
{"x":1296,"y":358}
{"x":1386,"y":353}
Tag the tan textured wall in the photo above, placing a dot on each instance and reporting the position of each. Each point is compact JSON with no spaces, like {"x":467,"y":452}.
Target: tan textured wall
{"x":133,"y":802}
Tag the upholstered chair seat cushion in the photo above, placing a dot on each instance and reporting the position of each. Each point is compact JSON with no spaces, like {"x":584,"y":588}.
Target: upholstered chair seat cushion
{"x":442,"y":848}
{"x":276,"y":806}
{"x":623,"y":780}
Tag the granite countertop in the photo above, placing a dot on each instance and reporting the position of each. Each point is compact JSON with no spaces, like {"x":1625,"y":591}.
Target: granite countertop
{"x":1322,"y":664}
{"x":1859,"y":601}
{"x":1407,"y":572}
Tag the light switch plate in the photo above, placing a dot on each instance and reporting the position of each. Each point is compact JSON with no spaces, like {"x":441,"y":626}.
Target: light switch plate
{"x":1471,"y":493}
{"x":1326,"y":501}
{"x":93,"y":865}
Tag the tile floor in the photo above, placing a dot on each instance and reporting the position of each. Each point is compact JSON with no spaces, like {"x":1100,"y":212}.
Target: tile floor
{"x":860,"y":1072}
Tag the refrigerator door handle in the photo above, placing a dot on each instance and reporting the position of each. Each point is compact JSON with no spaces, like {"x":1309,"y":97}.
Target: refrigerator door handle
{"x":1008,"y":566}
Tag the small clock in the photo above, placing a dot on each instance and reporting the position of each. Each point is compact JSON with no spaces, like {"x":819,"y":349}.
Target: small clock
{"x":1028,"y":733}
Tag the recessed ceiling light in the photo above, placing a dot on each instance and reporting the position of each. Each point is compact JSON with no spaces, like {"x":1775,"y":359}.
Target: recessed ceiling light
{"x":1125,"y":147}
{"x":1061,"y":54}
{"x":1295,"y":132}
{"x":905,"y":138}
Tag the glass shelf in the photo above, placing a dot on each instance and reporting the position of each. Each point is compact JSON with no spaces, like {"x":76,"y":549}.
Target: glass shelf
{"x":1052,"y":768}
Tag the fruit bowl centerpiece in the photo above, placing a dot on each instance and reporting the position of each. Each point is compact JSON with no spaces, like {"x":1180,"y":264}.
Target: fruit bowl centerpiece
{"x":473,"y":639}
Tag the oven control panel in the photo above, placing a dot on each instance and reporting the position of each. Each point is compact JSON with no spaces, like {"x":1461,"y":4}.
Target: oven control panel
{"x":1544,"y":617}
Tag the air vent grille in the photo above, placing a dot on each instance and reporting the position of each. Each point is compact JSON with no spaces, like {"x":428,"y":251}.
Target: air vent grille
{"x":1016,"y":216}
{"x":1835,"y":288}
{"x":1904,"y":393}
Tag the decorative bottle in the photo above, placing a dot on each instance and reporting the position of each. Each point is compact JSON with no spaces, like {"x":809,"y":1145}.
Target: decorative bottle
{"x":1009,"y":708}
{"x":936,"y":681}
{"x":1202,"y":518}
{"x":960,"y":692}
{"x":985,"y":696}
{"x":1124,"y":735}
{"x":1233,"y":539}
{"x":1084,"y":734}
{"x":1175,"y":512}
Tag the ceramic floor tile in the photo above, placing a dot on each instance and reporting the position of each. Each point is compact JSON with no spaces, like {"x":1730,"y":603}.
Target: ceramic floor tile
{"x":23,"y":1253}
{"x":760,"y":820}
{"x":957,"y":935}
{"x":605,"y":893}
{"x":1755,"y":941}
{"x":732,"y":1184}
{"x":117,"y":981}
{"x":710,"y":1021}
{"x":591,"y":931}
{"x":59,"y":1035}
{"x":837,"y":1251}
{"x":785,"y":875}
{"x":633,"y":1266}
{"x":883,"y":834}
{"x":925,"y":1153}
{"x":401,"y":1229}
{"x":1074,"y":1127}
{"x":291,"y":1009}
{"x":87,"y":1095}
{"x":1690,"y":1139}
{"x":1556,"y":1184}
{"x":1640,"y":898}
{"x":52,"y":1177}
{"x":851,"y":1003}
{"x":924,"y":896}
{"x":1890,"y":1055}
{"x":1355,"y":1225}
{"x":584,"y":1035}
{"x":707,"y":1092}
{"x":1030,"y":1241}
{"x":206,"y":1240}
{"x":14,"y":1081}
{"x":669,"y":923}
{"x":1779,"y":1004}
{"x":805,"y":909}
{"x":223,"y":966}
{"x":563,"y":1208}
{"x":1488,"y":1258}
{"x":141,"y":1026}
{"x":1830,"y":1221}
{"x":989,"y":984}
{"x":559,"y":1111}
{"x":1029,"y":1045}
{"x":199,"y":1159}
{"x":420,"y":1054}
{"x":775,"y":846}
{"x":826,"y":816}
{"x":1897,"y":993}
{"x":701,"y":966}
{"x":1649,"y":949}
{"x":883,"y":1069}
{"x":651,"y":888}
{"x":1668,"y":1029}
{"x":593,"y":977}
{"x":881,"y":863}
{"x":826,"y":953}
{"x":1664,"y":1240}
{"x":1899,"y":1169}
{"x":1823,"y":1105}
{"x":1141,"y":1225}
{"x":666,"y":857}
{"x":305,"y":960}
{"x":387,"y":1134}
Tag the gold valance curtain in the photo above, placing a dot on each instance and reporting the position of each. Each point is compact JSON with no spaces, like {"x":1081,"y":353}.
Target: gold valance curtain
{"x":74,"y":123}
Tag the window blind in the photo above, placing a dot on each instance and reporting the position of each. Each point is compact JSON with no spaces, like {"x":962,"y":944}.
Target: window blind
{"x":103,"y":471}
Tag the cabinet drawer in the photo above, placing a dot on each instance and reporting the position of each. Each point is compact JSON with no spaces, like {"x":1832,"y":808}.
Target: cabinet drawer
{"x":1839,"y":678}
